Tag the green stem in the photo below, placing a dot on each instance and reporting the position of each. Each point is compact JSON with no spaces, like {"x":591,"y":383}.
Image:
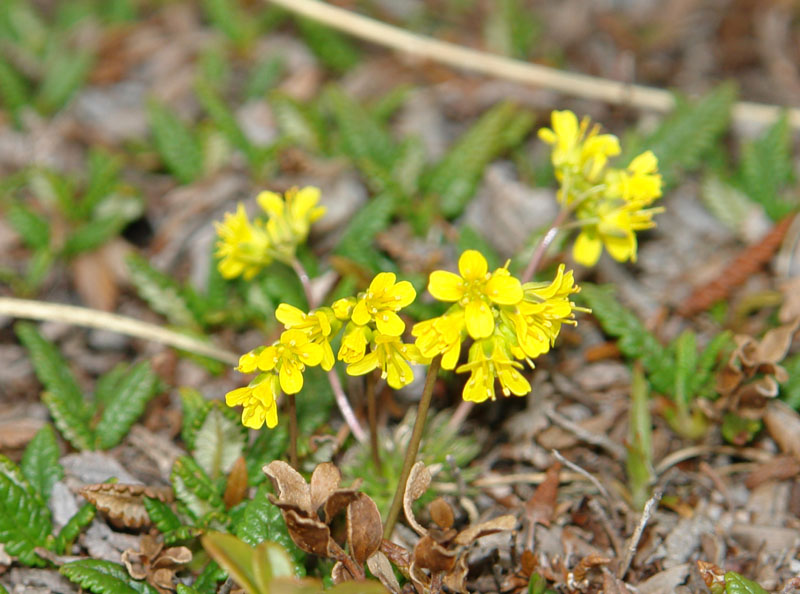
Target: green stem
{"x":293,"y":432}
{"x":413,"y":445}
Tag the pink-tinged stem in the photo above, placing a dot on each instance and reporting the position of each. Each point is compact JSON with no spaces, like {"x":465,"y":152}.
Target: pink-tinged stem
{"x":336,"y":385}
{"x":544,"y":243}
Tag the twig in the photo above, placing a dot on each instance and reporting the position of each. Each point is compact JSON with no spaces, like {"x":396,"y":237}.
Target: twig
{"x":693,"y":451}
{"x":633,"y":543}
{"x":569,"y":464}
{"x":92,"y":318}
{"x":599,"y":440}
{"x":293,"y":432}
{"x":544,"y":243}
{"x":577,"y":85}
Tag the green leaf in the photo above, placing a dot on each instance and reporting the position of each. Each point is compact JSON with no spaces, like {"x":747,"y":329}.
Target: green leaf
{"x":212,"y":574}
{"x":194,"y":488}
{"x":70,"y":531}
{"x":181,"y":534}
{"x":356,"y":242}
{"x":685,"y":367}
{"x":195,"y":408}
{"x":227,"y":16}
{"x":790,"y":389}
{"x":766,"y":169}
{"x":224,"y":119}
{"x":726,"y":203}
{"x":235,"y":556}
{"x":297,"y":122}
{"x":315,"y":402}
{"x":64,"y":73}
{"x":702,"y":381}
{"x":104,"y":577}
{"x":263,"y":77}
{"x":14,"y":92}
{"x":24,"y":517}
{"x":106,"y":387}
{"x":183,"y":589}
{"x":332,"y":48}
{"x":161,"y":515}
{"x":3,"y":589}
{"x":133,"y":392}
{"x":93,"y":234}
{"x":689,"y":132}
{"x":33,"y":228}
{"x":178,"y":147}
{"x":739,"y":430}
{"x":268,"y":445}
{"x":454,"y":179}
{"x":538,"y":585}
{"x":64,"y":398}
{"x":161,"y":292}
{"x":40,"y":462}
{"x":639,"y":462}
{"x":736,"y":584}
{"x":218,"y":442}
{"x":103,"y":177}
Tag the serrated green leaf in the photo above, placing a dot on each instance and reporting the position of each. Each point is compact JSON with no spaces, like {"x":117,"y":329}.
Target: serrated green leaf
{"x":227,"y":16}
{"x":32,"y":227}
{"x":194,"y":488}
{"x":725,"y":202}
{"x":39,"y":267}
{"x":24,"y":517}
{"x":103,"y":177}
{"x":737,"y":584}
{"x":64,"y":73}
{"x":689,"y":132}
{"x":703,"y":379}
{"x":218,"y":443}
{"x":70,"y":531}
{"x":104,"y":577}
{"x":105,"y":389}
{"x":263,"y":521}
{"x":63,"y":396}
{"x":685,"y":366}
{"x":133,"y":392}
{"x":53,"y":189}
{"x":332,"y":48}
{"x":195,"y":408}
{"x":40,"y":462}
{"x":161,"y":515}
{"x":224,"y":119}
{"x":454,"y":179}
{"x":296,"y":122}
{"x":93,"y":234}
{"x":160,"y":291}
{"x":263,"y":77}
{"x":212,"y":574}
{"x":767,"y":167}
{"x":178,"y":147}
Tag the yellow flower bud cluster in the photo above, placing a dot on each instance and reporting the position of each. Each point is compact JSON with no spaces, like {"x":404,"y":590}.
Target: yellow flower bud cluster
{"x":245,"y":247}
{"x":610,"y":204}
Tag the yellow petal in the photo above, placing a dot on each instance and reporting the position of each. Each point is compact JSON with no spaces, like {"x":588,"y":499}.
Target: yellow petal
{"x":623,"y":248}
{"x":271,"y":416}
{"x":289,"y":315}
{"x":253,"y":416}
{"x":479,"y":319}
{"x":389,"y":323}
{"x":271,"y":203}
{"x":310,"y":354}
{"x":504,"y":289}
{"x":238,"y":396}
{"x":364,"y":366}
{"x":645,"y":163}
{"x":401,"y":295}
{"x":291,"y":378}
{"x":445,"y":286}
{"x":472,"y":265}
{"x":382,"y":282}
{"x":587,"y":249}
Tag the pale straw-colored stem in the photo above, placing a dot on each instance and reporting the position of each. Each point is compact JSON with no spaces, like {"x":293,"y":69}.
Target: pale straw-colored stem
{"x":576,"y":85}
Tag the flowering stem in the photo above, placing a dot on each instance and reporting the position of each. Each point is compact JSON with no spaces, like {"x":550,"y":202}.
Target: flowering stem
{"x":372,"y":413}
{"x":413,"y":445}
{"x":544,"y":243}
{"x":290,"y":401}
{"x":336,"y":385}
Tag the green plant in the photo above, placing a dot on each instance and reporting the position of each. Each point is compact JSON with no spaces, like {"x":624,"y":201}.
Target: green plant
{"x":25,"y":521}
{"x":101,"y":422}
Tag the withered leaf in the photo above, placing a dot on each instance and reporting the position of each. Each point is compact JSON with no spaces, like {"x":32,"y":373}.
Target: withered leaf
{"x":783,"y":424}
{"x":441,"y":513}
{"x":473,"y":533}
{"x":418,"y":481}
{"x":338,"y":501}
{"x":324,"y":481}
{"x":456,"y":579}
{"x":311,"y":535}
{"x":340,"y":573}
{"x":587,"y":563}
{"x":290,"y":485}
{"x":542,"y":504}
{"x":432,"y":556}
{"x":613,"y":585}
{"x":236,"y":487}
{"x":381,"y":568}
{"x":123,"y":504}
{"x":364,"y":528}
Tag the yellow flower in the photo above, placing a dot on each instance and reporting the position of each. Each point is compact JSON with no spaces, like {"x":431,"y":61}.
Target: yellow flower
{"x":289,"y":358}
{"x":577,"y":150}
{"x":354,"y":343}
{"x":391,"y":356}
{"x":343,"y":308}
{"x":258,"y":400}
{"x":639,"y":182}
{"x":489,"y":360}
{"x":441,"y":336}
{"x":381,"y":302}
{"x":315,"y":324}
{"x":243,"y":248}
{"x":544,"y":308}
{"x":290,"y":216}
{"x":615,"y":229}
{"x":475,"y":291}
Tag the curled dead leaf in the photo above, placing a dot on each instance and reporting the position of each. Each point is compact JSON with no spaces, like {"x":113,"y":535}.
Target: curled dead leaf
{"x":324,"y":481}
{"x":473,"y":533}
{"x":123,"y":504}
{"x":430,"y":555}
{"x":381,"y":568}
{"x":236,"y":487}
{"x":364,"y":528}
{"x":311,"y":535}
{"x":441,"y":513}
{"x":291,"y":486}
{"x":418,"y":481}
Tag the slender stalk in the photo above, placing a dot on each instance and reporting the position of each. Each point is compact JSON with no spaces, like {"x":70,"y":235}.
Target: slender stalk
{"x":413,"y":445}
{"x":372,"y":414}
{"x":293,"y":432}
{"x":544,"y":243}
{"x":336,"y":385}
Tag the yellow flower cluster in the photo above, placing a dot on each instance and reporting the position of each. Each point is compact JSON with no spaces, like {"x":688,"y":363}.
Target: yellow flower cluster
{"x":245,"y":247}
{"x":610,"y":204}
{"x":508,"y":321}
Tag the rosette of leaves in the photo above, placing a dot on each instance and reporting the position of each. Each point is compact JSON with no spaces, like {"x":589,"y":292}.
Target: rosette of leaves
{"x":25,"y":521}
{"x":101,"y":422}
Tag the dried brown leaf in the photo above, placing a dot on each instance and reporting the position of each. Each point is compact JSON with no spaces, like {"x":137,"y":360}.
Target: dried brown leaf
{"x":542,"y":504}
{"x":418,"y":481}
{"x":123,"y":504}
{"x":324,"y":481}
{"x":779,"y":468}
{"x":311,"y":535}
{"x":338,"y":501}
{"x":381,"y":568}
{"x":236,"y":487}
{"x":783,"y":424}
{"x":290,"y":485}
{"x":613,"y":585}
{"x":441,"y":513}
{"x":432,"y":556}
{"x":473,"y":533}
{"x":364,"y":528}
{"x":589,"y":562}
{"x":95,"y":280}
{"x":456,"y":578}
